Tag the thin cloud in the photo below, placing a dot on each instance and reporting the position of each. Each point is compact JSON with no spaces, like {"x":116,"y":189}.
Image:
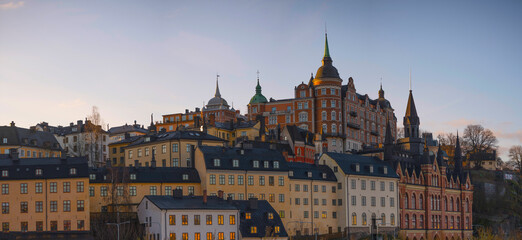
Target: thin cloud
{"x":510,"y":135}
{"x":460,"y":122}
{"x":11,"y":5}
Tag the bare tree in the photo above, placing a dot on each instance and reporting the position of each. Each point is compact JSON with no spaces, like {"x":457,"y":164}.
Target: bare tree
{"x":400,"y":132}
{"x":478,"y":140}
{"x":515,"y":153}
{"x":94,"y":137}
{"x":447,"y":139}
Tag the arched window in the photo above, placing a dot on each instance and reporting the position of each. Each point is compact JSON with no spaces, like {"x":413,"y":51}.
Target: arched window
{"x":303,"y":117}
{"x":421,"y":221}
{"x":325,"y":128}
{"x":467,"y":205}
{"x":334,"y":128}
{"x":451,"y":204}
{"x":323,"y":114}
{"x":445,"y":203}
{"x":406,"y":201}
{"x":383,"y":217}
{"x":406,"y":221}
{"x":431,"y":202}
{"x":354,"y":219}
{"x":392,"y":219}
{"x":421,"y":202}
{"x":446,"y":222}
{"x":458,"y":205}
{"x":364,"y":219}
{"x":458,"y":223}
{"x":452,"y":222}
{"x":414,"y":221}
{"x":333,"y":115}
{"x":467,"y":223}
{"x":413,"y":201}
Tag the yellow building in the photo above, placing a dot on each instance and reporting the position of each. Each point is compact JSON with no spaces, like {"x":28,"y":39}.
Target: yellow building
{"x":235,"y":131}
{"x":170,"y":149}
{"x":244,"y":173}
{"x":313,"y":200}
{"x":126,"y":186}
{"x":117,"y":151}
{"x":28,"y":142}
{"x":44,"y":195}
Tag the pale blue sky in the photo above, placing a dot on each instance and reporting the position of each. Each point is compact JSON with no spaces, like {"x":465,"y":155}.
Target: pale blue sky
{"x":133,"y":58}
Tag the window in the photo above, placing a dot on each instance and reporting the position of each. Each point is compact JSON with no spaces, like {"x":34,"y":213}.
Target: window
{"x":53,"y":187}
{"x":363,"y":200}
{"x":79,"y":187}
{"x":38,"y":206}
{"x":281,"y":181}
{"x":354,"y":200}
{"x":209,"y":219}
{"x":212,"y":179}
{"x":66,"y":187}
{"x":281,"y":198}
{"x":392,"y":186}
{"x":23,"y":207}
{"x":266,"y":164}
{"x":80,"y":205}
{"x":354,"y":182}
{"x":39,"y":226}
{"x":184,"y":219}
{"x":72,"y":171}
{"x":221,"y":179}
{"x":373,"y":201}
{"x":152,"y":190}
{"x":382,"y":186}
{"x":392,"y":219}
{"x":392,"y":202}
{"x":232,"y":236}
{"x":250,"y":180}
{"x":5,"y":173}
{"x":363,"y":184}
{"x":217,"y":162}
{"x":23,"y":188}
{"x":221,"y":220}
{"x":255,"y":164}
{"x":305,"y":188}
{"x":297,"y":187}
{"x":66,"y":205}
{"x":354,"y":219}
{"x":271,"y":197}
{"x":53,"y":206}
{"x":272,"y":119}
{"x":276,"y":164}
{"x":175,"y":162}
{"x":253,"y":229}
{"x":38,"y":172}
{"x":372,"y":185}
{"x":323,"y":116}
{"x":240,"y":180}
{"x":383,"y":201}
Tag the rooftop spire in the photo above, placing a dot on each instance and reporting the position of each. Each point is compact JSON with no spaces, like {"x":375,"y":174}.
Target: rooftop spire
{"x":326,"y":50}
{"x":217,"y":94}
{"x":381,"y":92}
{"x":457,"y":159}
{"x":258,"y":87}
{"x":411,"y":116}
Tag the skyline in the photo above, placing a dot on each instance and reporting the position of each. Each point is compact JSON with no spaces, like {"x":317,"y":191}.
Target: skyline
{"x":61,"y":58}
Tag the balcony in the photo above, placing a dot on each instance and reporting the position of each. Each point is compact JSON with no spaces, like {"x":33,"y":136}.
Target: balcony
{"x":353,"y":113}
{"x":353,"y":125}
{"x":374,"y":133}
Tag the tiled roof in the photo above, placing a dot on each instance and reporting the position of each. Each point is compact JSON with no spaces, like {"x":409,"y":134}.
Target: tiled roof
{"x":148,"y":174}
{"x":25,"y":137}
{"x":301,"y":170}
{"x":166,"y":136}
{"x":25,"y":168}
{"x":348,"y":162}
{"x":245,"y":157}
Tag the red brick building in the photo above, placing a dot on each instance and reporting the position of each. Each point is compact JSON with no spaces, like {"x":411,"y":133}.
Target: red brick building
{"x":435,"y":200}
{"x":343,"y":119}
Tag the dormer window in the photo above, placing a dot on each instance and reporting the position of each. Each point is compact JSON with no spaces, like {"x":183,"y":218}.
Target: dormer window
{"x":371,"y":168}
{"x":270,"y":216}
{"x":324,"y":175}
{"x":255,"y":164}
{"x":291,"y":173}
{"x":248,"y":215}
{"x":92,"y":176}
{"x":147,"y":139}
{"x":309,"y":174}
{"x":185,"y":177}
{"x":38,"y":172}
{"x":266,"y":164}
{"x":72,"y":171}
{"x":385,"y":170}
{"x":4,"y":140}
{"x":357,"y":167}
{"x":276,"y":164}
{"x":217,"y":162}
{"x":5,"y":173}
{"x":133,"y":176}
{"x":235,"y":163}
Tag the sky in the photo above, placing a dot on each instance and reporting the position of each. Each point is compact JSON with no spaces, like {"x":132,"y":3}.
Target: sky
{"x":136,"y":58}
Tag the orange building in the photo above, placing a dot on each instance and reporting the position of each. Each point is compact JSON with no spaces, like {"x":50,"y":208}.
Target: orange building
{"x":344,"y":119}
{"x":43,"y":195}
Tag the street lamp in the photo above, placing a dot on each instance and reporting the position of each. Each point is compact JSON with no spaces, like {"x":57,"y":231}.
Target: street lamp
{"x":118,"y":226}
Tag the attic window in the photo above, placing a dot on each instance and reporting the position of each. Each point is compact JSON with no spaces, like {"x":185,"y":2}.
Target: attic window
{"x":38,"y":172}
{"x":270,"y":216}
{"x":255,"y":164}
{"x":147,"y":139}
{"x":5,"y":140}
{"x":291,"y":173}
{"x":72,"y":171}
{"x":92,"y":176}
{"x":276,"y":164}
{"x":133,"y":176}
{"x":5,"y":173}
{"x":248,"y":215}
{"x":217,"y":162}
{"x":371,"y":168}
{"x":266,"y":164}
{"x":357,"y":167}
{"x":185,"y":177}
{"x":324,"y":175}
{"x":235,"y":163}
{"x":385,"y":170}
{"x":309,"y":174}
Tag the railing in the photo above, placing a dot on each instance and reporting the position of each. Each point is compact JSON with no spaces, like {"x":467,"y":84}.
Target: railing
{"x":353,"y":113}
{"x":354,"y":125}
{"x":375,"y":133}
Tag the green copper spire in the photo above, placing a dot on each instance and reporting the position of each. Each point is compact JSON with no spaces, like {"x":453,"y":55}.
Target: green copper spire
{"x":326,"y":50}
{"x":258,"y":98}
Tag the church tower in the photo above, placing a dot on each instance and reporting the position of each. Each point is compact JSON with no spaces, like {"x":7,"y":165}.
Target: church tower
{"x":412,"y":141}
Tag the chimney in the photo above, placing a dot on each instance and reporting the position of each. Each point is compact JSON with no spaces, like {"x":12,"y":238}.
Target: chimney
{"x":178,"y":193}
{"x":79,"y":123}
{"x":253,"y":203}
{"x":197,"y":109}
{"x":12,"y":123}
{"x":220,"y":194}
{"x":71,"y":124}
{"x":204,"y":196}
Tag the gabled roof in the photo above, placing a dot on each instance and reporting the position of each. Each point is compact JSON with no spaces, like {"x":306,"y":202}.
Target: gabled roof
{"x":297,"y":134}
{"x":301,"y":170}
{"x":348,"y":162}
{"x":147,"y":174}
{"x":227,"y":155}
{"x":25,"y":168}
{"x":25,"y":137}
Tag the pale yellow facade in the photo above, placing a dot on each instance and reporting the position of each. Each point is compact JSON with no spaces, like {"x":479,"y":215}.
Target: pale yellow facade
{"x":31,"y":152}
{"x":231,"y":136}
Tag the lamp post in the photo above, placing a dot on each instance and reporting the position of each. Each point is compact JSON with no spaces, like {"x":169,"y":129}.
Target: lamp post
{"x":118,"y":226}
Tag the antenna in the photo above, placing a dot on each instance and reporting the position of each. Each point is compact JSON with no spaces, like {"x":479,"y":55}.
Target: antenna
{"x":217,"y":76}
{"x":410,"y":78}
{"x":257,"y":74}
{"x":381,"y":82}
{"x":325,"y":28}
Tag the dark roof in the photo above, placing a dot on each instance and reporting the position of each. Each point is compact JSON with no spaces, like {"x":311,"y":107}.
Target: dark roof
{"x":148,"y":174}
{"x":25,"y":168}
{"x":127,"y":128}
{"x":25,"y":137}
{"x":259,"y":218}
{"x":298,"y":134}
{"x":235,"y":125}
{"x":62,"y":131}
{"x":126,"y":140}
{"x":348,"y":162}
{"x":189,"y":202}
{"x":226,"y":155}
{"x":301,"y":170}
{"x":166,"y":136}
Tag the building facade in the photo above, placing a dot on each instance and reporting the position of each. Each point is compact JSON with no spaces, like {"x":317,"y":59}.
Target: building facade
{"x":344,"y":119}
{"x":28,"y":142}
{"x":44,"y":195}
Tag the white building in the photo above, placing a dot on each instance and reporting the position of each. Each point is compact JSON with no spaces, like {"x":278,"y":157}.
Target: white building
{"x":369,"y":187}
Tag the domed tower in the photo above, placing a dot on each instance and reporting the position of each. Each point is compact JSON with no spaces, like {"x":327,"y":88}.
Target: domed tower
{"x":328,"y":106}
{"x":218,"y":107}
{"x":256,"y":106}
